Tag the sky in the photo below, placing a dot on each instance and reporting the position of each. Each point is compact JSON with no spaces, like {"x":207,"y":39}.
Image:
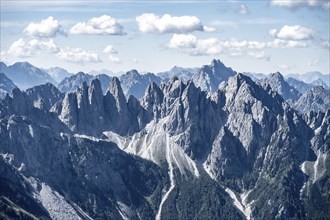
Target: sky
{"x":289,"y":36}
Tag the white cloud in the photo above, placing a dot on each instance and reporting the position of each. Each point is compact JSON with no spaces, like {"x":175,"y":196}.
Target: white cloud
{"x":183,"y":41}
{"x":190,"y":44}
{"x":48,"y":27}
{"x":295,"y":32}
{"x":278,"y":43}
{"x":22,"y":48}
{"x":262,"y":55}
{"x":243,"y":9}
{"x":294,"y":4}
{"x":151,"y":23}
{"x":104,"y":25}
{"x":110,"y":50}
{"x":114,"y":59}
{"x":77,"y":55}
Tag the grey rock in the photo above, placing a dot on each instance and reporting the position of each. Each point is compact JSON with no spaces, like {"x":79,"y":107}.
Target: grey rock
{"x":278,"y":84}
{"x":6,"y":85}
{"x":135,"y":84}
{"x":316,"y":99}
{"x":209,"y":77}
{"x":47,"y":94}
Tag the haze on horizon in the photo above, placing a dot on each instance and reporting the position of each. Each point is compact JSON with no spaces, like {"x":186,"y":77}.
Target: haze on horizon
{"x":266,"y":36}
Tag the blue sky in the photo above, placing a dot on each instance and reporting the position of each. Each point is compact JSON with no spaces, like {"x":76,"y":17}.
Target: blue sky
{"x":256,"y":36}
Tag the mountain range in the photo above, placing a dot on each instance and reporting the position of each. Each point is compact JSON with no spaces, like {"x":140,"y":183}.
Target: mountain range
{"x":25,"y":75}
{"x":215,"y":146}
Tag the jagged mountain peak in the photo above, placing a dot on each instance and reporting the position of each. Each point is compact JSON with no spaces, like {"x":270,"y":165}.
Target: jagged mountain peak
{"x":278,"y":84}
{"x":95,"y":92}
{"x":45,"y":95}
{"x":174,"y":87}
{"x":153,"y":95}
{"x":133,"y":72}
{"x":210,"y":76}
{"x":25,"y":75}
{"x":116,"y":90}
{"x":115,"y":87}
{"x":23,"y":64}
{"x":134,"y":83}
{"x":242,"y":92}
{"x":316,"y":99}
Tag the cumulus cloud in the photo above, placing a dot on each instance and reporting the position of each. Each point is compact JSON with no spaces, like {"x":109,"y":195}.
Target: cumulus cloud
{"x":78,"y":55}
{"x":295,"y":32}
{"x":151,"y":23}
{"x":294,"y":4}
{"x":243,"y":9}
{"x":104,"y":25}
{"x":110,"y":50}
{"x":22,"y":48}
{"x":114,"y":59}
{"x":190,"y":44}
{"x":48,"y":27}
{"x":262,"y":55}
{"x":279,"y":43}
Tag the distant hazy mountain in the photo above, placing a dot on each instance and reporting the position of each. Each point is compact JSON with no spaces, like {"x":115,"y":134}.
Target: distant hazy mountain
{"x":316,"y":99}
{"x":25,"y":75}
{"x":6,"y":85}
{"x":320,"y":82}
{"x":255,"y":76}
{"x":135,"y":84}
{"x":278,"y":84}
{"x":57,"y":73}
{"x":311,"y":76}
{"x":70,"y":84}
{"x":182,"y":73}
{"x":299,"y":85}
{"x":210,"y":76}
{"x":103,"y":71}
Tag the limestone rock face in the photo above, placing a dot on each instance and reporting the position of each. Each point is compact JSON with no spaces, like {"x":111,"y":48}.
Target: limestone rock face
{"x":316,"y":99}
{"x":45,"y":95}
{"x":182,"y":151}
{"x":209,"y":77}
{"x":278,"y":84}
